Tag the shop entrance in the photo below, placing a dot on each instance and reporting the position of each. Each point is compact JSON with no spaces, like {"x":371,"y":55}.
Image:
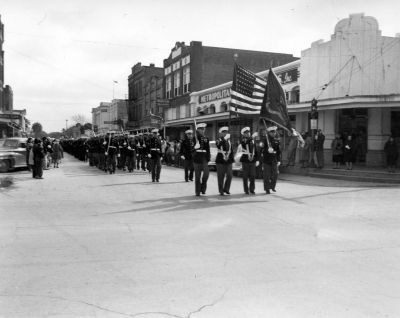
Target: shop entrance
{"x":395,"y":124}
{"x":354,"y":121}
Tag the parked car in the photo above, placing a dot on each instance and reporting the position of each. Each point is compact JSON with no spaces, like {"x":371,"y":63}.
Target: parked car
{"x":236,"y":165}
{"x":13,"y":154}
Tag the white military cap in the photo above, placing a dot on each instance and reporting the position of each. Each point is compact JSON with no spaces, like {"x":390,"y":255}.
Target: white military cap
{"x":222,"y":129}
{"x":140,"y":134}
{"x":272,"y":128}
{"x":189,"y":131}
{"x":244,"y":130}
{"x":155,"y":130}
{"x":202,"y":125}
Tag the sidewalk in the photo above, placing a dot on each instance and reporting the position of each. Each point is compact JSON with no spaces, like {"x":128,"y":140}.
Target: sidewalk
{"x":359,"y":173}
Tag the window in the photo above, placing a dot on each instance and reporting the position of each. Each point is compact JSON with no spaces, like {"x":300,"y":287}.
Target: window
{"x":223,"y":107}
{"x":186,"y":79}
{"x":167,"y":70}
{"x":185,"y":60}
{"x":177,"y":83}
{"x":211,"y":110}
{"x":176,"y":65}
{"x":168,"y":87}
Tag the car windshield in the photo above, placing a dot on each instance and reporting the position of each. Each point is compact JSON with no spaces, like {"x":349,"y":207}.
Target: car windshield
{"x":11,"y":143}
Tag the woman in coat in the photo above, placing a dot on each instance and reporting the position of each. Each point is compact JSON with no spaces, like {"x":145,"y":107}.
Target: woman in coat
{"x":392,"y":154}
{"x":57,"y":153}
{"x":349,"y":152}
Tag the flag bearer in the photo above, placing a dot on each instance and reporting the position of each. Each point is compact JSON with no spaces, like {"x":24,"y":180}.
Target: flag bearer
{"x":224,"y":161}
{"x":271,"y":159}
{"x":200,"y":159}
{"x":249,"y":159}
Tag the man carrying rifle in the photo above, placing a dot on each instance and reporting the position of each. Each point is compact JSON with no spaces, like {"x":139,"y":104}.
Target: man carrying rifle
{"x":201,"y":157}
{"x":271,"y":159}
{"x":155,"y":155}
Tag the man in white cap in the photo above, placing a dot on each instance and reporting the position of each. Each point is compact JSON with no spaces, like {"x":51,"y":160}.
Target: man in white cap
{"x":155,"y":155}
{"x":186,"y":154}
{"x":201,"y":158}
{"x":249,"y":160}
{"x":224,"y":161}
{"x":271,"y":159}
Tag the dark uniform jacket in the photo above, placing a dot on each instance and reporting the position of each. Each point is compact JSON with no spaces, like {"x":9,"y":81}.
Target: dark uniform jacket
{"x":187,"y":148}
{"x":225,"y":151}
{"x":272,"y":158}
{"x":131,"y":148}
{"x":203,"y":153}
{"x":249,"y":145}
{"x":154,"y":147}
{"x":112,"y":147}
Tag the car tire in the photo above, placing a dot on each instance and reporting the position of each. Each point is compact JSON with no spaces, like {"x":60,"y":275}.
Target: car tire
{"x":4,"y":165}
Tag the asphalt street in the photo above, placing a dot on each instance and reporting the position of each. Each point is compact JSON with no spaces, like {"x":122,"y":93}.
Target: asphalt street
{"x":82,"y":243}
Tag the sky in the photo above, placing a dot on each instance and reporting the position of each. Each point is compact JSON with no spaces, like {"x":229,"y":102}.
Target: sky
{"x":62,"y":57}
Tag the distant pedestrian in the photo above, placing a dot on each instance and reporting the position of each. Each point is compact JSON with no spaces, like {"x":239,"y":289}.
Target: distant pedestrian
{"x":349,"y":152}
{"x":38,"y":158}
{"x":29,"y":153}
{"x":319,"y":148}
{"x":392,"y":154}
{"x":304,"y":152}
{"x":291,"y":149}
{"x":337,"y":151}
{"x":57,"y":153}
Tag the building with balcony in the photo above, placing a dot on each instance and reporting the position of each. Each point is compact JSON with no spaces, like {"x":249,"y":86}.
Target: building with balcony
{"x":195,"y":67}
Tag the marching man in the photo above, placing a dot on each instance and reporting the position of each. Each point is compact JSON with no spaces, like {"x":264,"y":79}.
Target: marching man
{"x":271,"y":159}
{"x":224,"y":161}
{"x":249,"y":159}
{"x":155,"y":155}
{"x":186,"y":154}
{"x":201,"y":158}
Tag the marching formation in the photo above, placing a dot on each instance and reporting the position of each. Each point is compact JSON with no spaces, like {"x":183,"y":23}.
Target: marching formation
{"x":145,"y":151}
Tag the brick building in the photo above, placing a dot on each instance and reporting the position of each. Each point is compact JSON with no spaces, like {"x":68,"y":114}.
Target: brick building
{"x":1,"y":63}
{"x":195,"y":67}
{"x":145,"y":88}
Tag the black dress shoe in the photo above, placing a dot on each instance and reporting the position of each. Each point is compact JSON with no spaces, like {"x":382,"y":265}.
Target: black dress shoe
{"x":273,"y":189}
{"x":153,"y":180}
{"x":187,"y":180}
{"x":197,"y":194}
{"x":247,"y":192}
{"x":203,"y":192}
{"x":191,"y":179}
{"x":252,"y":192}
{"x":267,"y":192}
{"x":221,"y":193}
{"x":227,"y":192}
{"x":158,"y":180}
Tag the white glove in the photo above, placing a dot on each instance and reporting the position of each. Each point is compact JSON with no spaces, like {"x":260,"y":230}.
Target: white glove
{"x":106,"y":153}
{"x":278,"y":163}
{"x":105,"y":143}
{"x":124,"y":143}
{"x":227,"y":136}
{"x":118,"y":155}
{"x":257,"y":163}
{"x":183,"y":157}
{"x":49,"y":146}
{"x":271,"y":150}
{"x":129,"y":147}
{"x":149,"y":155}
{"x":347,"y":147}
{"x":197,"y":146}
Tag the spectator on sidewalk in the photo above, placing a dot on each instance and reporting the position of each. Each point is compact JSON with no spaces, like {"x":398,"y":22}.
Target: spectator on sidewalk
{"x":337,"y":151}
{"x":29,"y":153}
{"x":319,"y":148}
{"x":38,"y":158}
{"x":349,"y":152}
{"x":304,"y":152}
{"x":291,"y":150}
{"x":392,"y":154}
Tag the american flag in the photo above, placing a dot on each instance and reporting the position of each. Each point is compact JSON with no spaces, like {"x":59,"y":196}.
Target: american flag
{"x":247,"y":92}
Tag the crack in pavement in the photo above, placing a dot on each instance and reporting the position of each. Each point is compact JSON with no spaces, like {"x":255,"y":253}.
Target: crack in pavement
{"x":189,"y":315}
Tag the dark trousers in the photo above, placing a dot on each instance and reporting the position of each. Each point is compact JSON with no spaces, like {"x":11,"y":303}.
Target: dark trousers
{"x":320,"y":158}
{"x":201,"y":172}
{"x":102,"y":161}
{"x":249,"y":173}
{"x":155,"y":163}
{"x":37,"y":171}
{"x":224,"y":175}
{"x":189,"y":169}
{"x":270,"y":175}
{"x":130,"y":162}
{"x":111,"y":163}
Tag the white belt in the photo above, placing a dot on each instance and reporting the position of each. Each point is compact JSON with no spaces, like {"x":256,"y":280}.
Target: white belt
{"x":201,"y":150}
{"x":112,"y":147}
{"x":155,"y":149}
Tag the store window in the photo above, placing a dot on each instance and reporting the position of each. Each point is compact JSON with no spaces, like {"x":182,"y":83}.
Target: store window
{"x":168,"y":87}
{"x":211,"y":109}
{"x":177,"y":83}
{"x":186,"y":79}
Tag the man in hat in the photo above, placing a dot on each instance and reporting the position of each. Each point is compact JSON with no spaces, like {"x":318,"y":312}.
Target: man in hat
{"x":155,"y":155}
{"x":131,"y":153}
{"x":201,"y":158}
{"x":112,"y":152}
{"x":271,"y":159}
{"x":224,"y":161}
{"x":249,"y":159}
{"x":186,"y":154}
